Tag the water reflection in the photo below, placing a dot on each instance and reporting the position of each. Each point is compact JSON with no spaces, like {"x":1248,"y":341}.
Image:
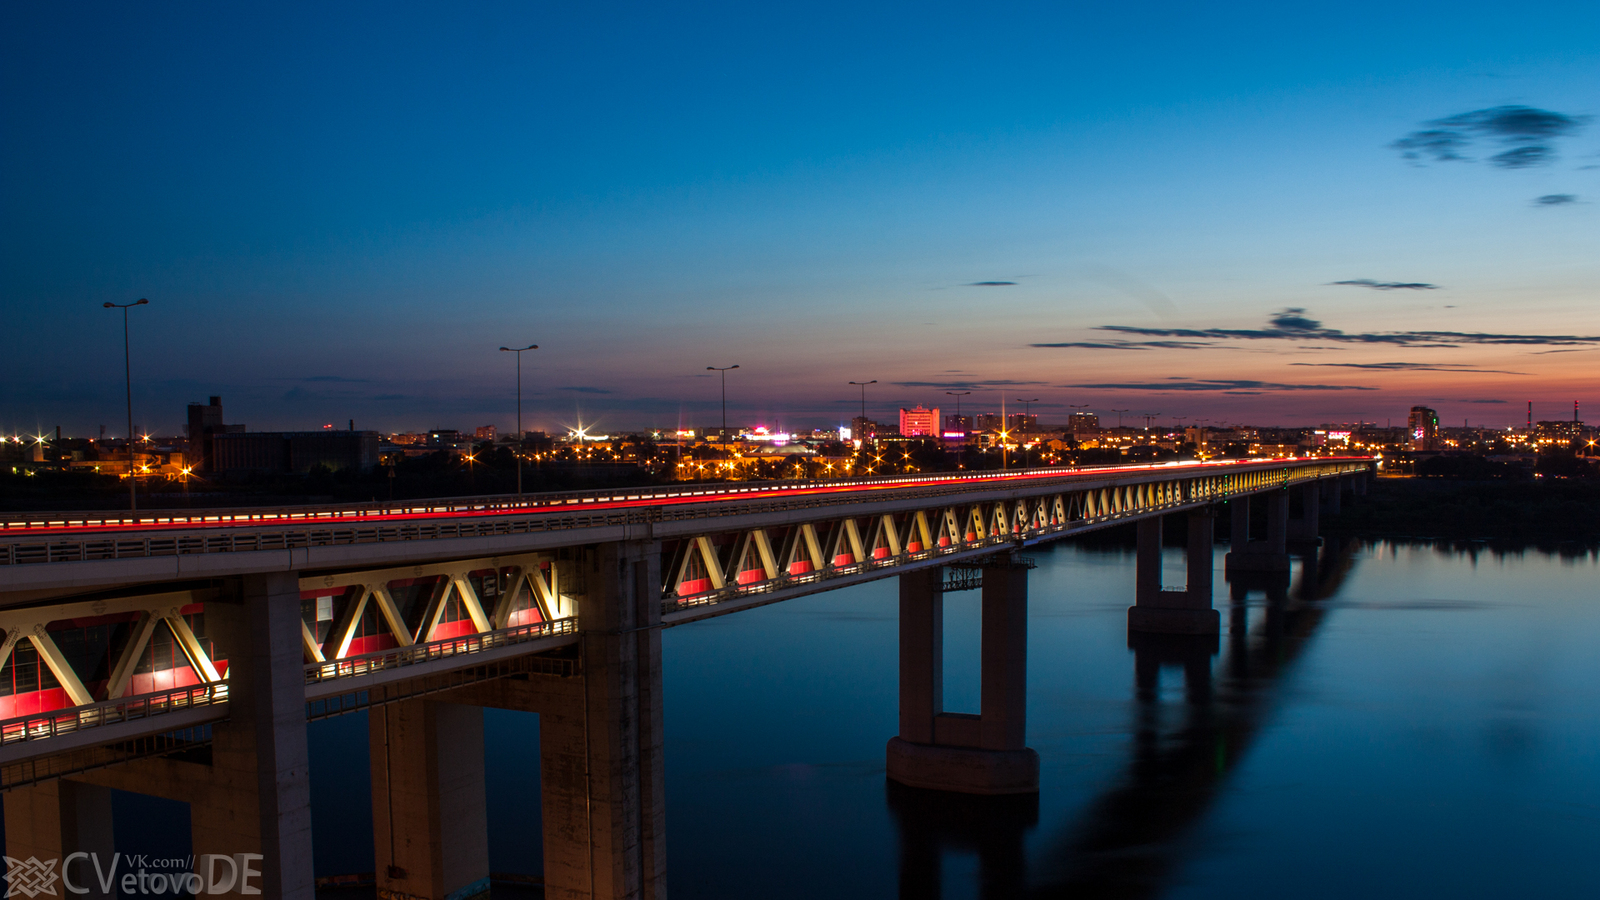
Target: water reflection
{"x":1130,"y":840}
{"x":933,"y":823}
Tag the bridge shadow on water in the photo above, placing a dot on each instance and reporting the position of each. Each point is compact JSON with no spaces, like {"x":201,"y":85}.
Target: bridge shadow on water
{"x":1132,"y":839}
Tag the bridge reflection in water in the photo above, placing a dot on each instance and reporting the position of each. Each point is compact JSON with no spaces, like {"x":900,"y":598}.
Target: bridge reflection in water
{"x":1130,"y":840}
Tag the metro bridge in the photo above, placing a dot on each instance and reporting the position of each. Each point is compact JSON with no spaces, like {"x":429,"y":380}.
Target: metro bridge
{"x":180,"y":654}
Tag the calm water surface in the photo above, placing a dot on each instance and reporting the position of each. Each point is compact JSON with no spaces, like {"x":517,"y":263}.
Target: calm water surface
{"x":1407,"y":721}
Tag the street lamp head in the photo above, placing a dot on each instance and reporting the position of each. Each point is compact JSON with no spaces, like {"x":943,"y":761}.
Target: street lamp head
{"x":520,"y":349}
{"x":142,"y":301}
{"x":110,"y":305}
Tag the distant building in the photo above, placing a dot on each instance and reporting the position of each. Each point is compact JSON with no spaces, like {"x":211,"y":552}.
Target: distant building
{"x":863,"y":428}
{"x":987,"y":422}
{"x":1558,"y":434}
{"x":294,"y":451}
{"x":1083,"y":423}
{"x":1022,"y":422}
{"x":919,"y":422}
{"x":1424,"y":427}
{"x":484,"y":433}
{"x":957,"y":425}
{"x":204,"y":422}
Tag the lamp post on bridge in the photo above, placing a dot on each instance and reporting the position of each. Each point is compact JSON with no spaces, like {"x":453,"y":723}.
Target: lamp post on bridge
{"x":723,"y":435}
{"x":516,"y":452}
{"x":127,"y":373}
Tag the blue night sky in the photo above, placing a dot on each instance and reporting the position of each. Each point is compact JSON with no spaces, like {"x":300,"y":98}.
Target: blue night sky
{"x":340,"y":211}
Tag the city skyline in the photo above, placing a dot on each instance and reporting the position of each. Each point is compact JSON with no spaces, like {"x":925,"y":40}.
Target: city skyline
{"x":1244,"y":216}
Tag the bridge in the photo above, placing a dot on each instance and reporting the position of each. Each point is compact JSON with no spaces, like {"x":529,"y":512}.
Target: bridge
{"x":181,"y":654}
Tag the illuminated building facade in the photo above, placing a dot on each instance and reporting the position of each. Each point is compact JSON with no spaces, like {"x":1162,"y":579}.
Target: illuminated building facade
{"x":919,"y":422}
{"x":1424,"y":428}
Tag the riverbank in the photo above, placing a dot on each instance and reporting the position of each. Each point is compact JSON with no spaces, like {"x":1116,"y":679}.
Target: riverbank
{"x":1540,"y":511}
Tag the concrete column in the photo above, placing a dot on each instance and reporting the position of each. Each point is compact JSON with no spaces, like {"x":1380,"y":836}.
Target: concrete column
{"x":1188,"y":611}
{"x":260,"y":753}
{"x":1269,"y":555}
{"x":1359,"y":483}
{"x":921,"y":653}
{"x":58,"y":818}
{"x":1332,"y":494}
{"x":1202,"y":538}
{"x":430,"y":826}
{"x":1305,"y":528}
{"x":982,"y":754}
{"x":1147,"y":566}
{"x":1004,"y":694}
{"x":602,"y":777}
{"x":254,"y":796}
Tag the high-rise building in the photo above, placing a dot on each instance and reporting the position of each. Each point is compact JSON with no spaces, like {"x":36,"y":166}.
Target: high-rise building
{"x":205,"y":421}
{"x":988,"y":422}
{"x":919,"y":422}
{"x":1022,"y":422}
{"x":957,"y":424}
{"x":1424,"y":424}
{"x":483,"y":433}
{"x":1083,"y":423}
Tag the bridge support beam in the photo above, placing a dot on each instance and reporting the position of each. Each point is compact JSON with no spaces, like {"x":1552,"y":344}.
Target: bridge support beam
{"x":430,"y":825}
{"x":254,"y":796}
{"x":1304,"y":528}
{"x":969,"y":754}
{"x":51,"y":820}
{"x":1333,"y":495}
{"x":1270,"y":555}
{"x":1187,"y":611}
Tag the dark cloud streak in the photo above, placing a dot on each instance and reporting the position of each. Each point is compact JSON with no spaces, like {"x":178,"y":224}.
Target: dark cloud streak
{"x":1389,"y":285}
{"x":1529,"y":135}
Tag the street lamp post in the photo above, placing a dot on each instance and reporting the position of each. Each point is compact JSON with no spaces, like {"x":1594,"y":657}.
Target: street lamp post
{"x":863,"y":386}
{"x":1026,"y":405}
{"x":723,"y":435}
{"x":958,"y":395}
{"x":516,"y":450}
{"x":127,"y":374}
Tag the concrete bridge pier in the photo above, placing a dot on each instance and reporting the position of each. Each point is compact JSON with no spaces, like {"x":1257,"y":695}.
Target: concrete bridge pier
{"x":429,"y":820}
{"x":1333,"y":495}
{"x":1303,"y":528}
{"x":1269,"y":555}
{"x":969,"y":754}
{"x":252,"y":796}
{"x":51,"y":820}
{"x":601,"y":773}
{"x":1187,"y":611}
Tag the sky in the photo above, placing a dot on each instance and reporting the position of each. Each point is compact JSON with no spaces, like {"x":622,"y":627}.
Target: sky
{"x":1267,"y":213}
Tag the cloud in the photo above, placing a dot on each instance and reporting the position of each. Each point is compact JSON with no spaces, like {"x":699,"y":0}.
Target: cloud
{"x":1389,"y":285}
{"x":995,"y":383}
{"x":1480,"y":401}
{"x":586,"y":390}
{"x":990,"y":283}
{"x":1411,"y":367}
{"x":329,"y":379}
{"x":391,"y":397}
{"x":1228,"y":386}
{"x":1555,"y":200}
{"x":1292,"y":324}
{"x":1130,"y":345}
{"x":1527,"y":133}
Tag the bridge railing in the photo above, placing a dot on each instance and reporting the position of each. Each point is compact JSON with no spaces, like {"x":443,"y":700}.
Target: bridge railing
{"x":400,"y":657}
{"x":54,"y":723}
{"x":288,"y":529}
